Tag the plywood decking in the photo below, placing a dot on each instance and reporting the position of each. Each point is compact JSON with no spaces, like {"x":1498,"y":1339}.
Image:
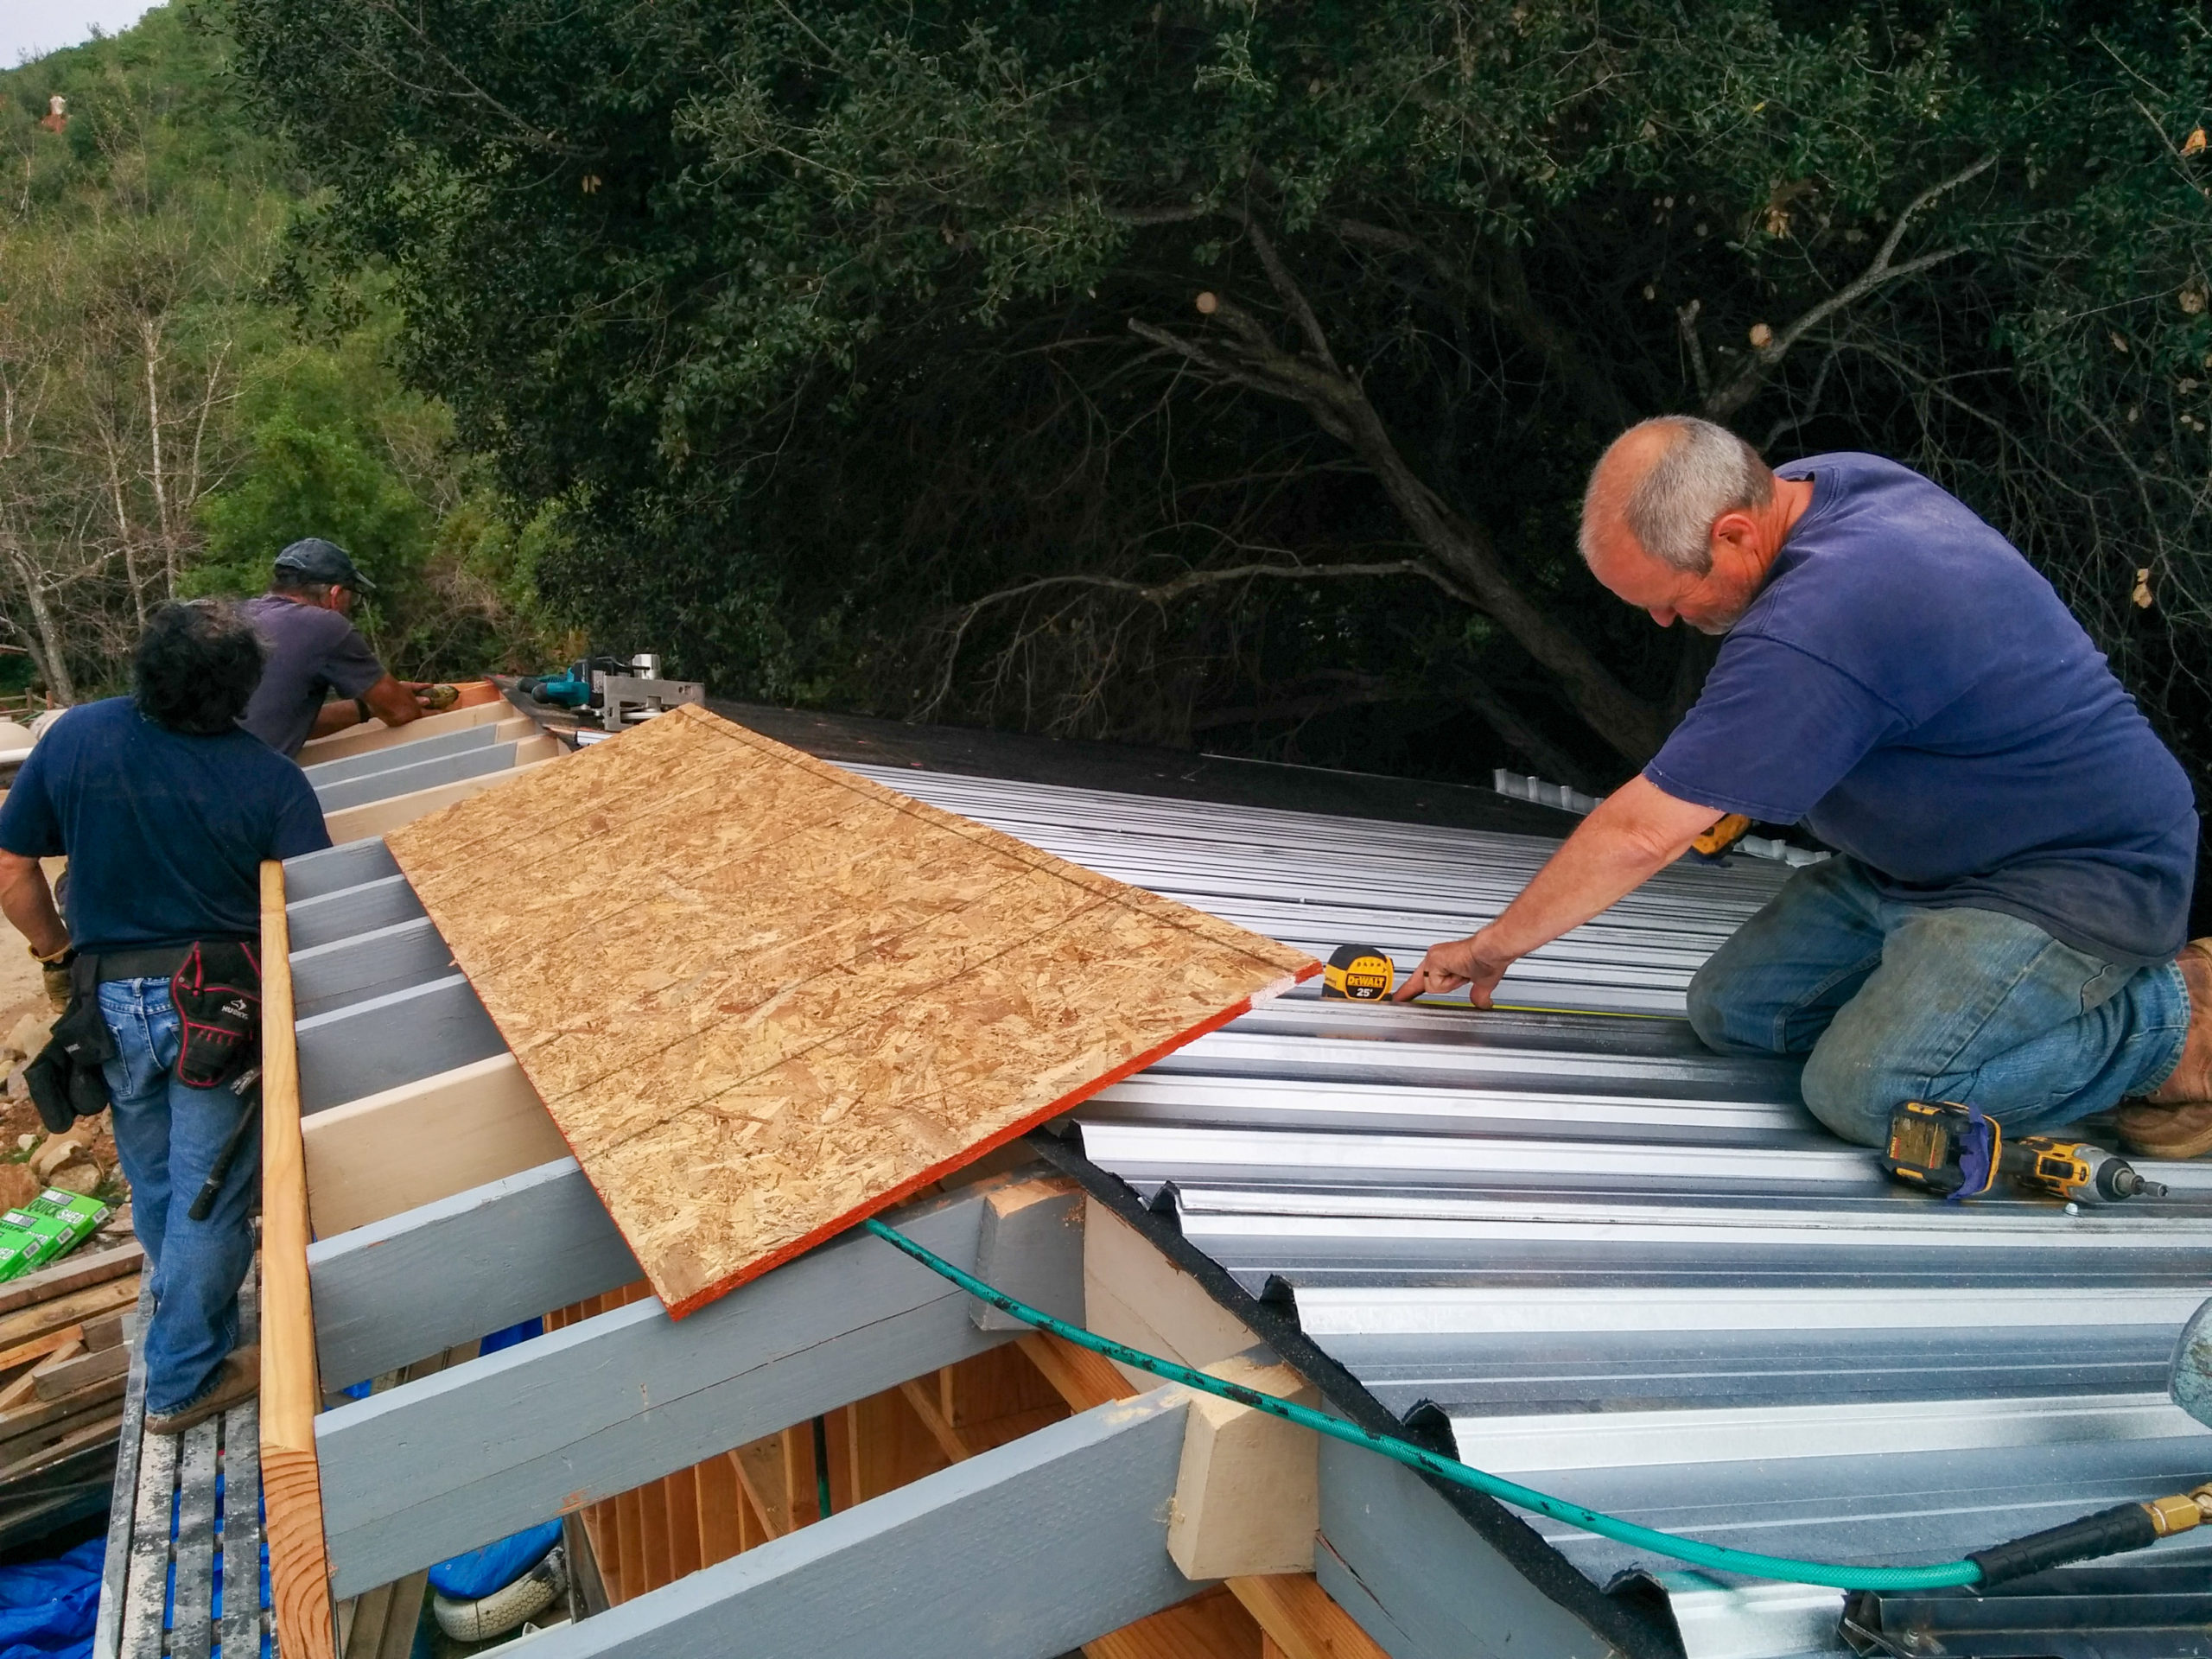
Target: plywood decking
{"x":763,"y":997}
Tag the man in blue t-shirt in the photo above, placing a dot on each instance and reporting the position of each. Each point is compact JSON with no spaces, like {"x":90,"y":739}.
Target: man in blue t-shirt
{"x":2005,"y":925}
{"x":165,"y":810}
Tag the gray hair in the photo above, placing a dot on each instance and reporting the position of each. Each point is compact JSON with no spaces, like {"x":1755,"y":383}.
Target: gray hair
{"x":1706,"y":471}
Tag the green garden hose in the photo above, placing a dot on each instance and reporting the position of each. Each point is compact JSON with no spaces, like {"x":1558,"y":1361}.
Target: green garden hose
{"x":1939,"y":1576}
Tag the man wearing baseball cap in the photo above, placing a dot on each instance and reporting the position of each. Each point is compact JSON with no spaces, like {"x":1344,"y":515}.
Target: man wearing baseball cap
{"x":321,"y":676}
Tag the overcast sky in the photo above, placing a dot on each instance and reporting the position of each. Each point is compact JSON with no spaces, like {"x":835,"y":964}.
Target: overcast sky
{"x":31,"y":29}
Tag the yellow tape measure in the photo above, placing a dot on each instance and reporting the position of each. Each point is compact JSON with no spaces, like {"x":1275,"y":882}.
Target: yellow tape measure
{"x":1357,"y":973}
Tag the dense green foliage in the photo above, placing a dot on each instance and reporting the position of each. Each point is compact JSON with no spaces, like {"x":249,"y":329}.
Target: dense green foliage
{"x":861,"y":340}
{"x":171,"y":418}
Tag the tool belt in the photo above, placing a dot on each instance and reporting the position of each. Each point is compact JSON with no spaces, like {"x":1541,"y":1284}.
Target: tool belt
{"x":216,"y":986}
{"x":217,"y":990}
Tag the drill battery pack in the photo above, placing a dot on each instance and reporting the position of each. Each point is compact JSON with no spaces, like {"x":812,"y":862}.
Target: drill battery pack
{"x":1944,"y":1146}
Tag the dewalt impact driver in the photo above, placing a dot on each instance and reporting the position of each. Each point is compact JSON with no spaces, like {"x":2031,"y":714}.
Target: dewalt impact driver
{"x":1954,"y":1150}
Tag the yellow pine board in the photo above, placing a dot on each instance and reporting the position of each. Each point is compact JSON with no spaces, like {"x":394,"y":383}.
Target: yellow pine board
{"x":763,"y":997}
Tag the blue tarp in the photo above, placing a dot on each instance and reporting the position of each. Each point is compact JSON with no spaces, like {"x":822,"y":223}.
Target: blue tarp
{"x":46,"y":1608}
{"x":477,"y":1574}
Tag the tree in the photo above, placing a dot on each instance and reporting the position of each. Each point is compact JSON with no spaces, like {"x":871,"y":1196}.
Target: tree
{"x":675,"y":264}
{"x":163,"y":416}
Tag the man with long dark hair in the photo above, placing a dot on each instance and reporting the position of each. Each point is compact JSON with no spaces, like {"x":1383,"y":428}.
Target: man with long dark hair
{"x":165,"y":808}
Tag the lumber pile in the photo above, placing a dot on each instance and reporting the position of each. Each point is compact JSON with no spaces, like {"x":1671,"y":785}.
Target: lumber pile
{"x":64,"y":1353}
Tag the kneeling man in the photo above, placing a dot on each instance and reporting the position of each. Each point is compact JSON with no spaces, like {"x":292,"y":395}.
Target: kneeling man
{"x":2004,"y":926}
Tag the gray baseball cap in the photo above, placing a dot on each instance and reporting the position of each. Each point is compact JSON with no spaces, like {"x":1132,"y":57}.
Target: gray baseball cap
{"x":313,"y":559}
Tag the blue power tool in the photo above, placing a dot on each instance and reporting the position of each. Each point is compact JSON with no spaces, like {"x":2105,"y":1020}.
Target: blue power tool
{"x":572,"y":688}
{"x":562,"y":691}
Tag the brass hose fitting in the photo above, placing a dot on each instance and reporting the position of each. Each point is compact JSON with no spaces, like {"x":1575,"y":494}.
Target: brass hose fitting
{"x":2182,"y":1511}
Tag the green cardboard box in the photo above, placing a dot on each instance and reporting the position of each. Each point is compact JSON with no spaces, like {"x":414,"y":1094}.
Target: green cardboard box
{"x":18,"y":1252}
{"x":57,"y":1222}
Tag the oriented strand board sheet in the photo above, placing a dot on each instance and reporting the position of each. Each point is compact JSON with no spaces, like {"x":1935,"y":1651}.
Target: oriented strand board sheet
{"x":763,"y":997}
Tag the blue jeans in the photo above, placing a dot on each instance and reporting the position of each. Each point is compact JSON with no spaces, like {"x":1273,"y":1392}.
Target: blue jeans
{"x":168,"y":1137}
{"x":1892,"y":1001}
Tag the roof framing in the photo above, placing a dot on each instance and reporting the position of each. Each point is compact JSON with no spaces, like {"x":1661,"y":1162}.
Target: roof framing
{"x":1050,"y":1539}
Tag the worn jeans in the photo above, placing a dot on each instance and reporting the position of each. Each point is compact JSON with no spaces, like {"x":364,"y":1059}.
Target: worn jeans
{"x":1892,"y":1001}
{"x":169,"y":1137}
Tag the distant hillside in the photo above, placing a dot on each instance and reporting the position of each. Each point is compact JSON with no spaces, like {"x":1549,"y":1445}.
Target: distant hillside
{"x":158,"y":91}
{"x":189,"y":393}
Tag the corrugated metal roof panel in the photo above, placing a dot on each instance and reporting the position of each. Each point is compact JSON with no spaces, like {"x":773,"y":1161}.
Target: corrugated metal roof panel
{"x":1316,"y":882}
{"x":1620,"y":1268}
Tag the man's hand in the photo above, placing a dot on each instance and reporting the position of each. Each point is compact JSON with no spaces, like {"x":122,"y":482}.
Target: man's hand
{"x":55,"y":977}
{"x":392,"y":702}
{"x":1452,"y":964}
{"x":1636,"y":832}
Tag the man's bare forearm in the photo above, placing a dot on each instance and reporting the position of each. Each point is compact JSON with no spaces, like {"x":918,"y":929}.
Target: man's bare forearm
{"x":392,"y":702}
{"x":28,"y":903}
{"x":1632,"y":835}
{"x":335,"y":716}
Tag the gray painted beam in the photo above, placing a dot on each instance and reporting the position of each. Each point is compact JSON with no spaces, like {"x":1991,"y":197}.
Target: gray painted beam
{"x":371,"y":761}
{"x":1033,"y":1252}
{"x":1025,"y":1551}
{"x":454,"y":1460}
{"x":344,"y":911}
{"x":366,"y":965}
{"x":445,"y":1274}
{"x":1421,"y":1581}
{"x":415,"y":774}
{"x":402,"y":1037}
{"x":346,"y":865}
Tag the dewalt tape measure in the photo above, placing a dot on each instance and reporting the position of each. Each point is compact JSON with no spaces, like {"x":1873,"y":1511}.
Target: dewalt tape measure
{"x":1720,"y":840}
{"x":1357,"y":973}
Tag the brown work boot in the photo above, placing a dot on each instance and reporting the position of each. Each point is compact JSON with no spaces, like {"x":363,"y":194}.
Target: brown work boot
{"x":2175,"y":1119}
{"x":238,"y":1379}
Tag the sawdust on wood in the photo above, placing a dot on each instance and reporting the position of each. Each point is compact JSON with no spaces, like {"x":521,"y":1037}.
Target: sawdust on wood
{"x":763,"y":997}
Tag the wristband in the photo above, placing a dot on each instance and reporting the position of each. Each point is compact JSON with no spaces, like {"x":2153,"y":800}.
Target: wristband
{"x":60,"y":959}
{"x":361,"y":710}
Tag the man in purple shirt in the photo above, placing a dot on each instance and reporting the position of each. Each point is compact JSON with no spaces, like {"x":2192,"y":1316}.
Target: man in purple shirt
{"x":2006,"y":923}
{"x":321,"y":678}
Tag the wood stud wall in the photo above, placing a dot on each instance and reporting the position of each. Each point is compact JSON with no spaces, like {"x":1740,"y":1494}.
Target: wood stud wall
{"x":656,"y":1534}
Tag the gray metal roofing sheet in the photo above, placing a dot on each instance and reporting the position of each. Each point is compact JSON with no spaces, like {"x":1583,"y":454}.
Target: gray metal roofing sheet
{"x":1622,"y":1268}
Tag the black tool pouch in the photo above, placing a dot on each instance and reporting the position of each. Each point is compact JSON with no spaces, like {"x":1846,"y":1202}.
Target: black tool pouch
{"x":218,"y":996}
{"x":66,"y":1081}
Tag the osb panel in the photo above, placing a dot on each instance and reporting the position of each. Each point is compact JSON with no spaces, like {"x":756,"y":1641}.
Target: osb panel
{"x":763,"y":997}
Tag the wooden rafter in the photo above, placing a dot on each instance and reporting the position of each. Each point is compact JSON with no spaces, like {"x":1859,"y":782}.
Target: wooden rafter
{"x":291,"y":1483}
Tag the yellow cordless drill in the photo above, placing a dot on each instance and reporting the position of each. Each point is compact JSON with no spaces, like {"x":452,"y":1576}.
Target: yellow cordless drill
{"x":1954,"y":1150}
